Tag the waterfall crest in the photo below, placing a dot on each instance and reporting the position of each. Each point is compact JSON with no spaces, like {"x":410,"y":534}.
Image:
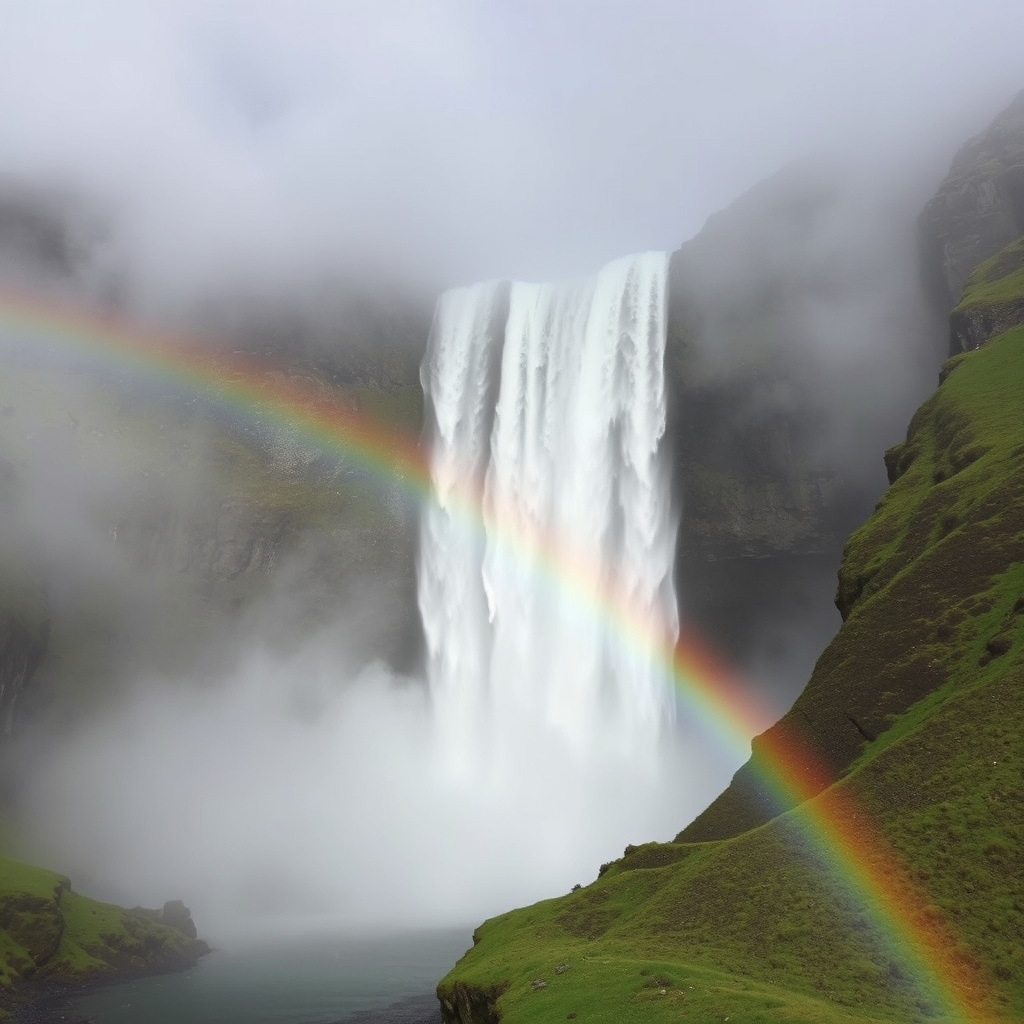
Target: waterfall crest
{"x":550,"y":536}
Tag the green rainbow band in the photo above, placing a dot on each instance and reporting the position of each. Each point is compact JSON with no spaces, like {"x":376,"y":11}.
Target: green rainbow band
{"x":833,"y":823}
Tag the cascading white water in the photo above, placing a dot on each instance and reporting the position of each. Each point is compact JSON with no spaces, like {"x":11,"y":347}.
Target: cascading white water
{"x":548,"y":415}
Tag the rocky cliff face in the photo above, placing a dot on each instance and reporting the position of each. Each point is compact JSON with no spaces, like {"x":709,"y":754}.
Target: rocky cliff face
{"x":780,"y":311}
{"x":977,"y":211}
{"x":24,"y":616}
{"x":22,"y":648}
{"x":160,"y":530}
{"x":156,"y":521}
{"x":992,"y":302}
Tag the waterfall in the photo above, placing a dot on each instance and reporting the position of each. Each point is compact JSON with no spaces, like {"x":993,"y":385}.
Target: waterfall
{"x":547,"y":549}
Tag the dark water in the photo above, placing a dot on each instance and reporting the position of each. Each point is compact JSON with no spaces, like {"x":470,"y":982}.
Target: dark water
{"x":311,"y":980}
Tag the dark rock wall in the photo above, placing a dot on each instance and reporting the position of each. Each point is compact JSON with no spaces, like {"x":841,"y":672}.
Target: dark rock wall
{"x":764,"y":399}
{"x":971,"y":327}
{"x":977,"y":211}
{"x":22,"y":648}
{"x":185,"y":519}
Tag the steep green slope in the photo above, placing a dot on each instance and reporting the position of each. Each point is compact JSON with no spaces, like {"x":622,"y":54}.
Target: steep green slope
{"x":915,"y":585}
{"x":993,"y":300}
{"x":930,"y":660}
{"x":52,"y":935}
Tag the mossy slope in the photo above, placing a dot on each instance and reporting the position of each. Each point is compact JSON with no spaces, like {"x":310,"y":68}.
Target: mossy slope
{"x":50,"y":934}
{"x":919,"y":581}
{"x":993,"y":300}
{"x":930,"y":660}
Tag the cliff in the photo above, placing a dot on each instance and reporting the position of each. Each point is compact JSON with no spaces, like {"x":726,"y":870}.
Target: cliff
{"x":24,"y":632}
{"x":911,"y":721}
{"x":840,"y":710}
{"x":52,"y":937}
{"x":992,"y":301}
{"x":977,"y":211}
{"x":781,"y":310}
{"x":152,"y":525}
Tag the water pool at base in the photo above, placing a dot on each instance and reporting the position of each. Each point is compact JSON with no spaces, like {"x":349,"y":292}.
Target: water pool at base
{"x":315,"y":979}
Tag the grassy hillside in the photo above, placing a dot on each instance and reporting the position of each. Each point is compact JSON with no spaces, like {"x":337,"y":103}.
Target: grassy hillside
{"x":50,"y":934}
{"x":756,"y":926}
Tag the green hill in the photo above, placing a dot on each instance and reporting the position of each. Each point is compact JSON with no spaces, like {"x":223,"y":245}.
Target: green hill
{"x":914,"y":725}
{"x":51,"y":935}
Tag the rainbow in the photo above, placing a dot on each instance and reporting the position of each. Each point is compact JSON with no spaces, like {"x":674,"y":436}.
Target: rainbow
{"x":833,"y":824}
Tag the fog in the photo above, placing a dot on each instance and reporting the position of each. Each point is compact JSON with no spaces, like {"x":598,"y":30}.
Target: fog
{"x":460,"y":140}
{"x":302,"y":793}
{"x":209,"y":153}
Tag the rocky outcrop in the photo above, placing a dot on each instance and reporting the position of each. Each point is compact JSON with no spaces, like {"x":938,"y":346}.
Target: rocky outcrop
{"x":463,"y":1003}
{"x":993,"y":301}
{"x":57,"y":939}
{"x":34,"y":922}
{"x":177,"y":916}
{"x":971,"y":327}
{"x":977,"y":211}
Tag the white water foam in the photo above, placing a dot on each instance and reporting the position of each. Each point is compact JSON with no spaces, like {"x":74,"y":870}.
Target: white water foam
{"x":564,"y":432}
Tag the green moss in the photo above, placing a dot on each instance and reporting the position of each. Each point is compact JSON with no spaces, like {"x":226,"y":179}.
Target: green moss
{"x":49,"y":932}
{"x":997,"y":281}
{"x":30,"y":922}
{"x":100,"y":938}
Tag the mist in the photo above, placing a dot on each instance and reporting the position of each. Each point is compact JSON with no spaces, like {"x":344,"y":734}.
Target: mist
{"x":454,"y":142}
{"x":236,"y":166}
{"x":304,"y":793}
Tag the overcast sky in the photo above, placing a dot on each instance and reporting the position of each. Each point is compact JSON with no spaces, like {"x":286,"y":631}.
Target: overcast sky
{"x":489,"y":138}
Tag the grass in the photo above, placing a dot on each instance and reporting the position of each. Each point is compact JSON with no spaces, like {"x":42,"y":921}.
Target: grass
{"x":930,"y":658}
{"x":29,"y":914}
{"x":52,"y":933}
{"x":997,"y":281}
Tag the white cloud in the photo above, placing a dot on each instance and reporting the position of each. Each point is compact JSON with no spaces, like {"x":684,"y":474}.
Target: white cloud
{"x":503,"y":139}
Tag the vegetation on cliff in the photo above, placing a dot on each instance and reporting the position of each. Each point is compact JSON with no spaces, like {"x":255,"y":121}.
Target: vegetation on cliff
{"x":52,"y":936}
{"x":915,"y":710}
{"x":993,"y":300}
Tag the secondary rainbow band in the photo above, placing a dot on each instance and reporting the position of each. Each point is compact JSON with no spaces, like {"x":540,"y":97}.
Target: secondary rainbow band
{"x":833,"y":823}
